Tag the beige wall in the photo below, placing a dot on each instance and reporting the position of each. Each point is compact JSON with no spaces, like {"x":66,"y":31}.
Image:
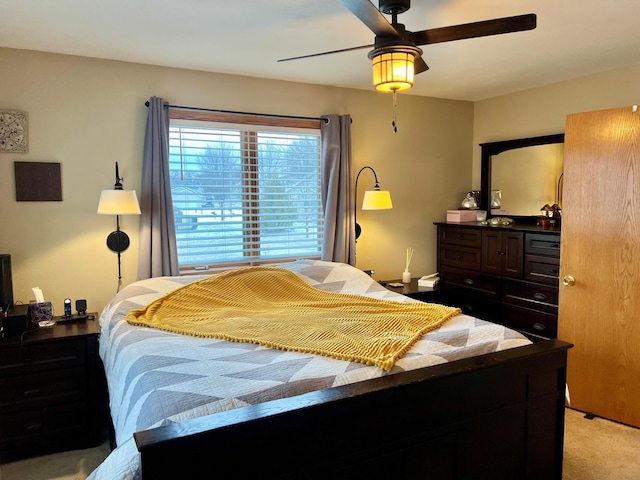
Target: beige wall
{"x":542,"y":111}
{"x":88,"y":113}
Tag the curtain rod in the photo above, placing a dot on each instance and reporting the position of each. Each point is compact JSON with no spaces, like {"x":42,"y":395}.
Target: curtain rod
{"x":324,"y":119}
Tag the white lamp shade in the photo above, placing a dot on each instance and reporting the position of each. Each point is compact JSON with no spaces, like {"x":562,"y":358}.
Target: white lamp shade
{"x":118,"y":202}
{"x":376,"y":200}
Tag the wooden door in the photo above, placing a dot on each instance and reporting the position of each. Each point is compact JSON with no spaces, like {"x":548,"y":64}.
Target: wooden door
{"x":600,"y":248}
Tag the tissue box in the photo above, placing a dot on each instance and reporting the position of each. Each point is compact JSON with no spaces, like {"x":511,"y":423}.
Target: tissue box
{"x":461,"y":216}
{"x":40,"y":311}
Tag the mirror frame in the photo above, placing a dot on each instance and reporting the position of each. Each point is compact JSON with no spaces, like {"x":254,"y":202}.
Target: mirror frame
{"x":494,"y":148}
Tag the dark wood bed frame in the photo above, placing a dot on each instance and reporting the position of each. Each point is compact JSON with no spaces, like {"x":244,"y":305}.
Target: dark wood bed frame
{"x":494,"y":416}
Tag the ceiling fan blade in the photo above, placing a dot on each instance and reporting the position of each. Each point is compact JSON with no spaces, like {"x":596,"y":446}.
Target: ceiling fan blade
{"x":476,"y":29}
{"x":326,"y":53}
{"x":371,"y":17}
{"x":419,"y":66}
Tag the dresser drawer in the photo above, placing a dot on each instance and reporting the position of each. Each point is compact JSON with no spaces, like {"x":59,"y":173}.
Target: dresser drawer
{"x":531,"y":295}
{"x":461,"y":257}
{"x":42,"y":356}
{"x":487,"y":285}
{"x":532,"y":321}
{"x":542,"y":244}
{"x":467,"y":237}
{"x":21,"y":392}
{"x":541,"y":269}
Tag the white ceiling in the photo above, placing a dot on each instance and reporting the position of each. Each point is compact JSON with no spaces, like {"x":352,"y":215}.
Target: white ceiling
{"x":245,"y":37}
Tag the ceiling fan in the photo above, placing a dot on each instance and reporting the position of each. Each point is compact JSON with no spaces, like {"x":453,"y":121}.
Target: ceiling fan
{"x":396,"y":55}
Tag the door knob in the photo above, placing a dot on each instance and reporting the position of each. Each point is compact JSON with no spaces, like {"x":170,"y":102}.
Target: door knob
{"x":568,"y":281}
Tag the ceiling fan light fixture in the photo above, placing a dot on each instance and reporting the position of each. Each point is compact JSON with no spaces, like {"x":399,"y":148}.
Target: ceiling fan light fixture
{"x":393,"y":67}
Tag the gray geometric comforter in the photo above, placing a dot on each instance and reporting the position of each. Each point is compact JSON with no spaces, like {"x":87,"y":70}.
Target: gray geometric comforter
{"x":156,"y":378}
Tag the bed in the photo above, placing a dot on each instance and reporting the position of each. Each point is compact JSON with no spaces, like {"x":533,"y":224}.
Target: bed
{"x":470,"y":399}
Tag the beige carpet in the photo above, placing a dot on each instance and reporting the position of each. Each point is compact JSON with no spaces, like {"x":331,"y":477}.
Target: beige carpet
{"x":594,"y":450}
{"x":73,"y":465}
{"x":599,"y":449}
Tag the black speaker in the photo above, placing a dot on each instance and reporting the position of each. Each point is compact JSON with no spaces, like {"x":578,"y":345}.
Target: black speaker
{"x":6,"y":282}
{"x":81,"y":307}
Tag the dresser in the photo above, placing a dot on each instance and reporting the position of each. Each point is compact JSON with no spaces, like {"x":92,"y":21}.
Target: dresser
{"x":51,"y":390}
{"x":508,"y":275}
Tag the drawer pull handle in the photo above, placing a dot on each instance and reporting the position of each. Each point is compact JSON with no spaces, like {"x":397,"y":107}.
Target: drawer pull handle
{"x":31,"y":392}
{"x":33,"y":427}
{"x":555,"y":272}
{"x":468,"y":281}
{"x":539,"y":296}
{"x":555,"y":245}
{"x":460,"y":257}
{"x":539,"y":327}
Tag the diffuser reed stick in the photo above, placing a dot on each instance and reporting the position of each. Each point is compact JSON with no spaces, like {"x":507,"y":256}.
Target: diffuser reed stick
{"x":409,"y":255}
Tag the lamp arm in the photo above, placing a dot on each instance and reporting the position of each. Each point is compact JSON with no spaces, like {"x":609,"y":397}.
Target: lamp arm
{"x":374,"y":176}
{"x":376,"y":187}
{"x":118,"y":185}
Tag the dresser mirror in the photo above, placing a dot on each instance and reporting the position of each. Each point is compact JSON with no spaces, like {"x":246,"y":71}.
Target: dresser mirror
{"x":520,"y":176}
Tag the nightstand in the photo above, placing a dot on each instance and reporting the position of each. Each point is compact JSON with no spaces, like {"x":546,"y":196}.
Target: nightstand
{"x":51,"y":390}
{"x":426,"y":294}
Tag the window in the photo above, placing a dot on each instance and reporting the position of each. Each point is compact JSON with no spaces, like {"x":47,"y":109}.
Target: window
{"x":244,"y":194}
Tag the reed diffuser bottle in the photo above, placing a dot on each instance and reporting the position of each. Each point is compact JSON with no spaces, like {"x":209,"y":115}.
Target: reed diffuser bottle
{"x":406,"y":275}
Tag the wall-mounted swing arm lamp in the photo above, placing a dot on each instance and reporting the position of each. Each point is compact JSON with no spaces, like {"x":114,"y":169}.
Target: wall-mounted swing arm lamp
{"x":375,"y":199}
{"x":118,"y":202}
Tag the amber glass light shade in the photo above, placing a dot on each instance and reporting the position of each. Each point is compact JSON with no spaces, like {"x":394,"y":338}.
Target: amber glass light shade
{"x":393,"y":68}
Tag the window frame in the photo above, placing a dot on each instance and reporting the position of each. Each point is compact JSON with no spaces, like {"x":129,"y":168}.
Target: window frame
{"x":253,"y":120}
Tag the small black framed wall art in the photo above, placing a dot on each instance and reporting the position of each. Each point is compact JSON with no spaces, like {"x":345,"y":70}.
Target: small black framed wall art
{"x":38,"y":182}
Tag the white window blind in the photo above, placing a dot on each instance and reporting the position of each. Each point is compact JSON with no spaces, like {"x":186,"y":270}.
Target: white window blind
{"x":244,"y":194}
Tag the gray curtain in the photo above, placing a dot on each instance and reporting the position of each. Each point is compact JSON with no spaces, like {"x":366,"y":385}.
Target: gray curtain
{"x":158,"y":255}
{"x":339,"y":243}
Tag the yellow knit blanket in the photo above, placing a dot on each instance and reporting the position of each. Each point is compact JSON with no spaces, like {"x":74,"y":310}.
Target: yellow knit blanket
{"x":273,"y":307}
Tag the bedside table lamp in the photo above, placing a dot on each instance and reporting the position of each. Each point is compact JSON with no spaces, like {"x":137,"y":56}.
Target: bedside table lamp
{"x":375,"y":199}
{"x":118,"y":202}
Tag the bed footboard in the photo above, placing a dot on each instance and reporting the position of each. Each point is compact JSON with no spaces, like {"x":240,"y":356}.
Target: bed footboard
{"x":498,"y":416}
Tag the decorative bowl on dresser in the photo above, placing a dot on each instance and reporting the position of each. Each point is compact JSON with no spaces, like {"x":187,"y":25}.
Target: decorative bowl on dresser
{"x":51,"y":390}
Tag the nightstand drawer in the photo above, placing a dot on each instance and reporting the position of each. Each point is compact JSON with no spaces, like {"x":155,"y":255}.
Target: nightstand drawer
{"x":42,"y":356}
{"x":42,"y":389}
{"x":19,"y":429}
